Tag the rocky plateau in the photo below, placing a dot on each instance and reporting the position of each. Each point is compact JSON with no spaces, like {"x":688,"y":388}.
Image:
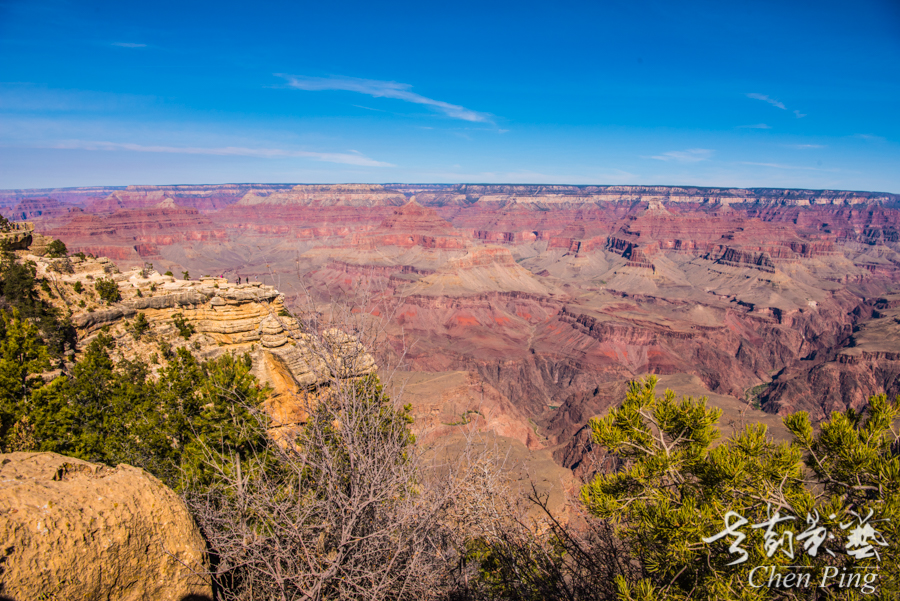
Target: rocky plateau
{"x":222,"y":317}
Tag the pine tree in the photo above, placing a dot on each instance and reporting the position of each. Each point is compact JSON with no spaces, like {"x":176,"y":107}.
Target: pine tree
{"x":676,"y":489}
{"x":22,"y":358}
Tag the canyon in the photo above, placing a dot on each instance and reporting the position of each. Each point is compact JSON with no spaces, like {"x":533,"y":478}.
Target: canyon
{"x":527,"y":308}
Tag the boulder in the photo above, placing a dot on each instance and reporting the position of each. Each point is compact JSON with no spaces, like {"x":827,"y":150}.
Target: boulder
{"x":72,"y":529}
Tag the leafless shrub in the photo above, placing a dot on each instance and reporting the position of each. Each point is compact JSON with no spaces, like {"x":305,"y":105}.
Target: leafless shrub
{"x":511,"y":545}
{"x":63,"y":265}
{"x":337,"y":515}
{"x":544,"y":558}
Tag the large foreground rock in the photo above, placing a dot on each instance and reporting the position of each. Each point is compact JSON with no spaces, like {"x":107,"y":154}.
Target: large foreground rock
{"x":70,"y":529}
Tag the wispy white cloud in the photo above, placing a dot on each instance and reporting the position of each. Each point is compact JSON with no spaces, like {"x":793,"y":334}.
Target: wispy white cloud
{"x":369,"y":108}
{"x":128,"y":45}
{"x":348,"y":158}
{"x":869,"y":137}
{"x":773,"y":165}
{"x":755,"y":126}
{"x":384,"y":89}
{"x":805,"y":146}
{"x":765,"y":98}
{"x":775,"y":103}
{"x":691,"y":155}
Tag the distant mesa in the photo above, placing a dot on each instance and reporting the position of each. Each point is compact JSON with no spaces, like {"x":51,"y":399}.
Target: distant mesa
{"x":481,"y":270}
{"x":109,"y":205}
{"x":354,"y":195}
{"x":136,"y":234}
{"x":571,"y":196}
{"x":45,"y":211}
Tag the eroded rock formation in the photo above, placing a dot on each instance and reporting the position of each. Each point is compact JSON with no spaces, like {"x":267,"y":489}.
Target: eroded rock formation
{"x":222,"y":317}
{"x":21,"y":236}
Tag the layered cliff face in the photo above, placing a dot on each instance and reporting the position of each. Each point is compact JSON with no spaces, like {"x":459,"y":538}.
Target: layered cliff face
{"x":551,"y":297}
{"x":46,"y":212}
{"x":574,"y":195}
{"x":20,"y":235}
{"x":73,"y":196}
{"x":714,"y":290}
{"x":354,"y":195}
{"x":412,"y":225}
{"x":216,"y":317}
{"x":478,"y":271}
{"x":844,"y":375}
{"x":133,"y":235}
{"x":201,"y":198}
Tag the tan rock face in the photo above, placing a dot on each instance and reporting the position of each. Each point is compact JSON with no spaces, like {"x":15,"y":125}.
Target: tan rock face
{"x":20,"y":235}
{"x":296,"y":365}
{"x":454,"y":402}
{"x":77,"y":530}
{"x":356,"y":195}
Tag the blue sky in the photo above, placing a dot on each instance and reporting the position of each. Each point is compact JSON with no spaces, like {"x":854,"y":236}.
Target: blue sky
{"x":774,"y":94}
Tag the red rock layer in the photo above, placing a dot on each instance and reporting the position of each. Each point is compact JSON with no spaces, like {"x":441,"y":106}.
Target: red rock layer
{"x":304,"y":222}
{"x":139,"y":230}
{"x":412,"y":225}
{"x":44,"y":212}
{"x":201,"y":198}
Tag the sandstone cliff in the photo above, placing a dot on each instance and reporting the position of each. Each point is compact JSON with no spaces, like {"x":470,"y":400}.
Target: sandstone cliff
{"x":21,"y":236}
{"x":223,"y":317}
{"x":78,"y":530}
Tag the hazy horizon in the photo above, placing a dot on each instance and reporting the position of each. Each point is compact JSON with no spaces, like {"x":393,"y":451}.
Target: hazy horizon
{"x":387,"y":184}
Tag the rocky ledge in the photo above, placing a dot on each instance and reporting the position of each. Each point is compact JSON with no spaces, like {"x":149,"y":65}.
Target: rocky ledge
{"x":210,"y":316}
